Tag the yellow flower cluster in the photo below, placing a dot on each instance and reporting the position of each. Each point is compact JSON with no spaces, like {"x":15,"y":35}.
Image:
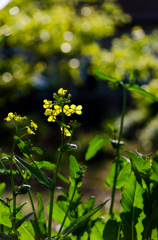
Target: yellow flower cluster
{"x":32,"y":126}
{"x":62,"y":92}
{"x":19,"y":120}
{"x":60,"y":106}
{"x":12,"y":116}
{"x":68,"y":110}
{"x":72,"y":109}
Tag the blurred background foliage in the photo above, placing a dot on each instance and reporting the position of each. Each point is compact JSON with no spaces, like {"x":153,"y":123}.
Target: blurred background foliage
{"x":57,"y":43}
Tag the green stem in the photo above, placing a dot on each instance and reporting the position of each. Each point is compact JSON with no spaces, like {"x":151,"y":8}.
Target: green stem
{"x":29,"y":192}
{"x":52,"y":190}
{"x":32,"y":204}
{"x":67,"y":210}
{"x":117,"y":153}
{"x":13,"y":187}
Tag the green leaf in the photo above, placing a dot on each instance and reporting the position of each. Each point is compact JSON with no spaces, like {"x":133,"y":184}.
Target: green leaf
{"x":5,"y":215}
{"x":89,"y":204}
{"x":25,"y":232}
{"x":42,"y":178}
{"x":4,"y":39}
{"x":137,"y":89}
{"x":111,"y":230}
{"x":95,"y":145}
{"x":75,"y":172}
{"x":21,"y":206}
{"x":132,"y":207}
{"x":45,"y":165}
{"x":4,"y":202}
{"x":123,"y":172}
{"x":76,"y":223}
{"x":155,"y":165}
{"x":23,"y":147}
{"x":41,"y":216}
{"x":103,"y":76}
{"x":59,"y":213}
{"x":63,"y":178}
{"x":63,"y":190}
{"x":97,"y":230}
{"x":140,"y":167}
{"x":21,"y":221}
{"x":38,"y":150}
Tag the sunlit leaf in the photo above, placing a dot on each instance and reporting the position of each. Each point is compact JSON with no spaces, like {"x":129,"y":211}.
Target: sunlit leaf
{"x":137,"y":89}
{"x":124,"y":169}
{"x":41,"y":215}
{"x":76,"y":223}
{"x":97,"y":230}
{"x":45,"y":165}
{"x":132,"y":205}
{"x":103,"y":76}
{"x":111,"y":230}
{"x":95,"y":145}
{"x":41,"y":177}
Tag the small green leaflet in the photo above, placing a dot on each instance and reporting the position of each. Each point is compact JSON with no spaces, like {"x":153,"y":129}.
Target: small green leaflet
{"x":103,"y":76}
{"x":95,"y":145}
{"x":4,"y":39}
{"x":39,"y":175}
{"x":77,"y":222}
{"x":137,"y":89}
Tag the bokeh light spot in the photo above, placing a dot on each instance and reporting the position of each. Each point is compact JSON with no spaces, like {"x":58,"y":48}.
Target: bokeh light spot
{"x":68,"y":36}
{"x":119,"y":62}
{"x":74,"y":63}
{"x":7,"y":77}
{"x":65,"y":47}
{"x":110,"y":57}
{"x":5,"y":29}
{"x":85,"y":11}
{"x":120,"y":71}
{"x":85,"y":26}
{"x":45,"y":35}
{"x":14,"y":10}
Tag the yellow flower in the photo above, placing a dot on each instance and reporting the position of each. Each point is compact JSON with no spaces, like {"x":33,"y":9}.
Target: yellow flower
{"x":33,"y":125}
{"x":76,"y":109}
{"x":62,"y":92}
{"x":52,"y":115}
{"x":9,"y":117}
{"x":48,"y":112}
{"x":47,"y":104}
{"x":51,"y":119}
{"x":66,"y":131}
{"x":67,"y":110}
{"x":29,"y":131}
{"x":58,"y":109}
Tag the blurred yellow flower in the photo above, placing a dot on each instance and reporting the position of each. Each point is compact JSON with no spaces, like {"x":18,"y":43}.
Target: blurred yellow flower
{"x":47,"y":104}
{"x":48,"y":112}
{"x":51,"y":118}
{"x":33,"y":125}
{"x":29,"y":131}
{"x":76,"y":109}
{"x":58,"y":109}
{"x":66,"y":131}
{"x":62,"y":92}
{"x":67,"y":110}
{"x":9,"y":117}
{"x":19,"y":118}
